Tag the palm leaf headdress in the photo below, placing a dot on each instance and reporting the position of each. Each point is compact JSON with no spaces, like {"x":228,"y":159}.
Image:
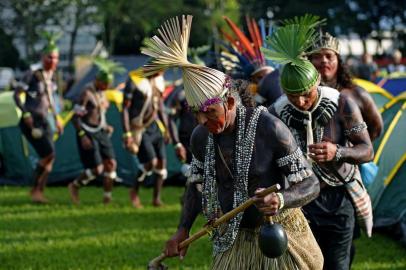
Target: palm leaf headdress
{"x":202,"y":85}
{"x":51,"y":38}
{"x":287,"y":46}
{"x":107,"y":68}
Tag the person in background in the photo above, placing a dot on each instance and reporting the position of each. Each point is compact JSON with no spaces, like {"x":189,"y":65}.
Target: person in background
{"x":93,"y":133}
{"x":396,"y":65}
{"x":325,"y":56}
{"x":39,"y":115}
{"x":145,"y":129}
{"x":329,"y":128}
{"x":367,"y":69}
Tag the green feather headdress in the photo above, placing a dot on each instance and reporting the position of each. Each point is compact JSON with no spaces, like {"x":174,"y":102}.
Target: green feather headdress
{"x":107,"y":68}
{"x":287,"y":46}
{"x":202,"y":85}
{"x":51,"y":38}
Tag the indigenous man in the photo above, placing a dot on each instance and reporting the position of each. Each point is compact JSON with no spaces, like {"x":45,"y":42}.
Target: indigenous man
{"x":236,"y":152}
{"x":93,"y":133}
{"x":142,"y":116}
{"x":330,"y":129}
{"x":35,"y":123}
{"x":325,"y":56}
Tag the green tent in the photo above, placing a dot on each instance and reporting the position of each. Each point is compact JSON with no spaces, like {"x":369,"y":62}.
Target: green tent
{"x":389,"y":187}
{"x":379,"y":95}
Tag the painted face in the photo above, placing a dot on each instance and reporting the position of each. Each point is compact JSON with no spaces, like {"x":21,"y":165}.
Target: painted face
{"x":306,"y":101}
{"x":213,"y":118}
{"x":326,"y":62}
{"x":50,"y":61}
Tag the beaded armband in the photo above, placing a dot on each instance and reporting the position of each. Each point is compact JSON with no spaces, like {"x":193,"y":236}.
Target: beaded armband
{"x":295,"y":167}
{"x":196,"y":170}
{"x":355,"y":129}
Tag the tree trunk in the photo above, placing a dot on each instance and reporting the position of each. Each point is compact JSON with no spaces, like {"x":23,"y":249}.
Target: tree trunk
{"x":73,"y":36}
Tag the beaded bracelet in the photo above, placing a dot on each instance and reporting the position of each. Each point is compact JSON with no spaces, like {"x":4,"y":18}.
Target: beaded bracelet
{"x":281,"y":200}
{"x":26,"y":115}
{"x":338,"y":155}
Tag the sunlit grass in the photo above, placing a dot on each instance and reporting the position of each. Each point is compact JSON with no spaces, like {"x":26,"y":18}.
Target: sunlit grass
{"x":93,"y":236}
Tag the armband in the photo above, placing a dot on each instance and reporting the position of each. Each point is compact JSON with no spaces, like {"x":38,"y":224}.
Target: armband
{"x":128,"y":134}
{"x":81,"y":133}
{"x":178,"y":145}
{"x":26,"y":115}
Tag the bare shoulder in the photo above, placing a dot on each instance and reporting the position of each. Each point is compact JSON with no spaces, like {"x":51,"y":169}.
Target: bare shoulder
{"x":275,"y":133}
{"x":347,"y":103}
{"x":198,"y":141}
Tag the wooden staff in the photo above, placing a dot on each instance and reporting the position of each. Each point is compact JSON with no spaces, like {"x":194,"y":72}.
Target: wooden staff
{"x":156,"y":262}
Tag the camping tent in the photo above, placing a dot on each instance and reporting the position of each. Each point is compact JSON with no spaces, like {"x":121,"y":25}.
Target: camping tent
{"x":380,"y":95}
{"x":388,"y":189}
{"x":394,"y":85}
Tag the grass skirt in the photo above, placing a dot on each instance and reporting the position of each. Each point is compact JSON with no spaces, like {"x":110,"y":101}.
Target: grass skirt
{"x":303,"y":251}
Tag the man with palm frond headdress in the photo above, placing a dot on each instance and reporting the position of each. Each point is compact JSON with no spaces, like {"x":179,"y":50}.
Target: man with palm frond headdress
{"x":35,"y":123}
{"x":237,"y":150}
{"x":330,"y":129}
{"x":93,"y":133}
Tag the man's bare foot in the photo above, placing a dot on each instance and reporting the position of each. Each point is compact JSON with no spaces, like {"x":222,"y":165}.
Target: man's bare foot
{"x":135,"y":199}
{"x":74,"y":193}
{"x":38,"y":197}
{"x":106,"y":199}
{"x":157,"y":203}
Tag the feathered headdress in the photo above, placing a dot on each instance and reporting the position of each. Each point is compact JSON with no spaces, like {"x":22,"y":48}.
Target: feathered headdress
{"x":107,"y":68}
{"x":203,"y":85}
{"x":51,"y":38}
{"x":325,"y":41}
{"x":287,"y":46}
{"x":246,"y":48}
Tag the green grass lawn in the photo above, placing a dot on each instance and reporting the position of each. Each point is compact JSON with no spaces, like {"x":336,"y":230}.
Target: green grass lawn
{"x":93,"y":236}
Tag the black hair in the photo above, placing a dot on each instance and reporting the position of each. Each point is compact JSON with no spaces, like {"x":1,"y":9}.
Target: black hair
{"x":344,"y":78}
{"x":242,"y":88}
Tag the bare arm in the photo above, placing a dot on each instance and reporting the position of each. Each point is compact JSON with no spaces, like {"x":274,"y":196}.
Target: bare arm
{"x":125,"y":116}
{"x":301,"y":191}
{"x":17,"y":99}
{"x":371,"y":115}
{"x":192,"y":206}
{"x":80,"y":110}
{"x":192,"y":203}
{"x":303,"y":185}
{"x":355,"y":129}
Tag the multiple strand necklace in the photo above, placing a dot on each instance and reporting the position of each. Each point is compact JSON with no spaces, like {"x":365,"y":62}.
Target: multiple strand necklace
{"x":224,"y":237}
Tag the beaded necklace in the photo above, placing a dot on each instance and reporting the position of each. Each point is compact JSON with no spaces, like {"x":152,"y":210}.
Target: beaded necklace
{"x":224,"y":237}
